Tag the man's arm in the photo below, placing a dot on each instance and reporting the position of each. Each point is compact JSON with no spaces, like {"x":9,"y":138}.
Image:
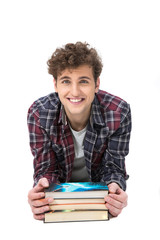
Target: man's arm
{"x":113,"y":161}
{"x":45,"y":167}
{"x":45,"y":164}
{"x":114,"y":172}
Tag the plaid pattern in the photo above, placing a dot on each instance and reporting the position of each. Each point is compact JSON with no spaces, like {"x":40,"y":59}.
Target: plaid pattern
{"x":106,"y":142}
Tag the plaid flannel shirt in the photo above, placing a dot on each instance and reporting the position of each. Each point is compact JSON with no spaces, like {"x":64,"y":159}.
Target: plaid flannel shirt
{"x":106,"y":142}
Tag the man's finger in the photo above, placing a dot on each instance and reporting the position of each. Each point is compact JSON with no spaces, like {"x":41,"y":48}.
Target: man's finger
{"x":42,"y":202}
{"x":41,"y":185}
{"x":40,"y":210}
{"x":119,"y":197}
{"x":113,"y":210}
{"x":116,"y":202}
{"x":116,"y":197}
{"x":39,"y":216}
{"x":32,"y":196}
{"x":113,"y":187}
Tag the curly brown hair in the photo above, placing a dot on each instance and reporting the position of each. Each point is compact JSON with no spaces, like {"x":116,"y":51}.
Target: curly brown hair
{"x":72,"y":56}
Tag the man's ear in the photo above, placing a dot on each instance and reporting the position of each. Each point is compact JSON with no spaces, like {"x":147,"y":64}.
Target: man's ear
{"x":55,"y":84}
{"x":97,"y":85}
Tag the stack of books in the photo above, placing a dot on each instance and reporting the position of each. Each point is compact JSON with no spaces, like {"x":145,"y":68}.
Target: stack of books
{"x":80,"y":201}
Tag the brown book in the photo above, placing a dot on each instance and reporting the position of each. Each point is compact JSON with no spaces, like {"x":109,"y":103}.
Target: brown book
{"x":76,"y":215}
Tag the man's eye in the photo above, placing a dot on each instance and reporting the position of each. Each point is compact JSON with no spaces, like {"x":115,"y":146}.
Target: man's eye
{"x":84,"y":81}
{"x":65,"y":81}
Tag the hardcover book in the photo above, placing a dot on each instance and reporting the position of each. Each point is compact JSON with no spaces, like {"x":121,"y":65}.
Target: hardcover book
{"x":77,"y":190}
{"x":76,"y":215}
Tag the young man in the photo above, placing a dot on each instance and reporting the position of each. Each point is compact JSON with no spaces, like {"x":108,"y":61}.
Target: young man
{"x":78,"y":133}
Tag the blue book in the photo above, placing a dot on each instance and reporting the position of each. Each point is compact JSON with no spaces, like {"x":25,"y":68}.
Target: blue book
{"x":77,"y":190}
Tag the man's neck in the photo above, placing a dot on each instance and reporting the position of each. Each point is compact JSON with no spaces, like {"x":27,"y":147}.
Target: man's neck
{"x":78,"y":123}
{"x":78,"y":126}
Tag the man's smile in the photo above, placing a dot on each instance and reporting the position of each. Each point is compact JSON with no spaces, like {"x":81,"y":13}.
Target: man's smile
{"x":75,"y":100}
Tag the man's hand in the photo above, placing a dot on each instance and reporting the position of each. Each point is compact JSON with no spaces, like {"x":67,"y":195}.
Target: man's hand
{"x":116,"y":200}
{"x":38,"y":203}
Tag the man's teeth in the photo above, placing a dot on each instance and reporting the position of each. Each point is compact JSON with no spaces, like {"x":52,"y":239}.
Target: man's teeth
{"x":75,"y":100}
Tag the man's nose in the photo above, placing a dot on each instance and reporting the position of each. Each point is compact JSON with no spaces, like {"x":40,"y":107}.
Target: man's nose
{"x":75,"y":90}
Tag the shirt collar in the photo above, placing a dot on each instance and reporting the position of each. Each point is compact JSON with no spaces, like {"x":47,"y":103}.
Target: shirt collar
{"x":96,"y":117}
{"x":62,"y":116}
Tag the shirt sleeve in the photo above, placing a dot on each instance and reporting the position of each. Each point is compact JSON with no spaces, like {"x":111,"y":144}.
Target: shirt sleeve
{"x":41,"y":148}
{"x":114,"y":169}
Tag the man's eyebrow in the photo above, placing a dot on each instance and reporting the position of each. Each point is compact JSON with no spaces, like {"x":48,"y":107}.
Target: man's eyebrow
{"x":67,"y":77}
{"x":64,"y":77}
{"x":85,"y":77}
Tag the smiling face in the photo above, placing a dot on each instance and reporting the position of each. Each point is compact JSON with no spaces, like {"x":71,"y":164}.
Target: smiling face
{"x":76,"y":89}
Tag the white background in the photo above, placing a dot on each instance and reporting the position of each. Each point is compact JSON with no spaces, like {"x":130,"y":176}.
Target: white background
{"x":127,"y":36}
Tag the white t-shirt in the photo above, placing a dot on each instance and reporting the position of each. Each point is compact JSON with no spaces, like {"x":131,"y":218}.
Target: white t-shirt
{"x":79,"y":173}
